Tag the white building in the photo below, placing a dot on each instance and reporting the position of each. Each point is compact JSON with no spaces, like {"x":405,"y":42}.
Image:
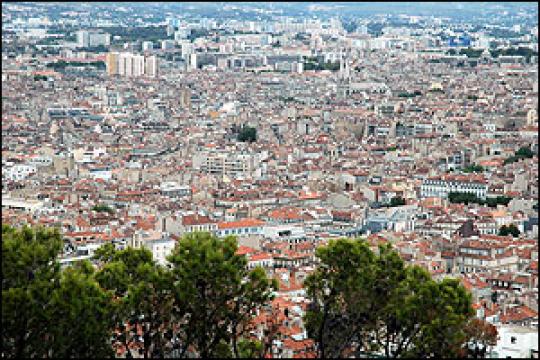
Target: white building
{"x":92,"y":39}
{"x":181,"y":34}
{"x":441,"y":187}
{"x":244,"y":227}
{"x":88,"y":155}
{"x":126,"y":64}
{"x":264,"y":260}
{"x":101,"y":173}
{"x":19,"y":172}
{"x":290,"y":233}
{"x":174,"y":190}
{"x":160,"y":244}
{"x":186,"y":49}
{"x":39,"y":161}
{"x":138,"y":65}
{"x":100,"y":39}
{"x":83,"y":38}
{"x":167,"y":44}
{"x":226,"y":163}
{"x":516,"y":342}
{"x":151,"y":66}
{"x":29,"y":205}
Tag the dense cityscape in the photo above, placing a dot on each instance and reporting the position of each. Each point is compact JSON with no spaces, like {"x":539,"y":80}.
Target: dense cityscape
{"x":280,"y":180}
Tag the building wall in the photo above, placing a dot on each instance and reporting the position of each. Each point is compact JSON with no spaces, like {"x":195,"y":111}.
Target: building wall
{"x":441,"y":188}
{"x":161,"y":249}
{"x":516,"y":342}
{"x":128,"y":64}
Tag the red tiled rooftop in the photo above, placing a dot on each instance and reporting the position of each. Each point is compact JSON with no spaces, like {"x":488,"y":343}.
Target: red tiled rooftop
{"x":240,"y":224}
{"x":243,"y":250}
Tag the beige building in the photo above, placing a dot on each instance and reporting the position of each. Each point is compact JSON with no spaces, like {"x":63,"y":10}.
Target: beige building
{"x":128,"y":64}
{"x":112,"y":63}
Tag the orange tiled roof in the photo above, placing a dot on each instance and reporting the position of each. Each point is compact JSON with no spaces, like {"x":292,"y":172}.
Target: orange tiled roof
{"x":243,"y":250}
{"x":285,"y":214}
{"x":196,"y":220}
{"x":240,"y":224}
{"x":519,"y":314}
{"x":260,"y":256}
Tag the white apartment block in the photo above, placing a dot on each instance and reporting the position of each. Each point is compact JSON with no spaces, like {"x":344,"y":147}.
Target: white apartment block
{"x":83,"y":39}
{"x":226,"y":163}
{"x":439,"y":187}
{"x":125,"y":64}
{"x":19,"y":172}
{"x":157,"y":242}
{"x":516,"y":342}
{"x":138,"y":65}
{"x":40,"y":161}
{"x":92,"y":39}
{"x":99,"y":39}
{"x":167,"y":44}
{"x":151,"y":66}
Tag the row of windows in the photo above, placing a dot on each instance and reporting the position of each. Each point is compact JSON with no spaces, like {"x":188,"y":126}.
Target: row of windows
{"x":474,"y":251}
{"x":445,"y":191}
{"x":203,"y":227}
{"x":241,"y":231}
{"x":457,"y":187}
{"x":225,"y":163}
{"x":451,"y":183}
{"x":220,"y":169}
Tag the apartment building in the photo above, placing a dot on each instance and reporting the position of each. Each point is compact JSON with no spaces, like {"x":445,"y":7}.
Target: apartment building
{"x":19,"y":172}
{"x":226,"y":163}
{"x":157,"y":242}
{"x":87,"y":39}
{"x":442,"y":186}
{"x":131,"y":65}
{"x":244,"y":227}
{"x":479,"y":256}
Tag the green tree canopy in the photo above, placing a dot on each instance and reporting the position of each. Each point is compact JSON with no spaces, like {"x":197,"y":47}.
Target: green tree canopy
{"x":365,"y":304}
{"x":397,"y":201}
{"x":247,"y":134}
{"x":81,"y":312}
{"x":459,"y":197}
{"x":215,"y":293}
{"x":29,"y":274}
{"x":103,"y":208}
{"x":509,"y":230}
{"x":46,"y":312}
{"x":473,"y":168}
{"x":143,"y":296}
{"x":523,"y":152}
{"x":201,"y":305}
